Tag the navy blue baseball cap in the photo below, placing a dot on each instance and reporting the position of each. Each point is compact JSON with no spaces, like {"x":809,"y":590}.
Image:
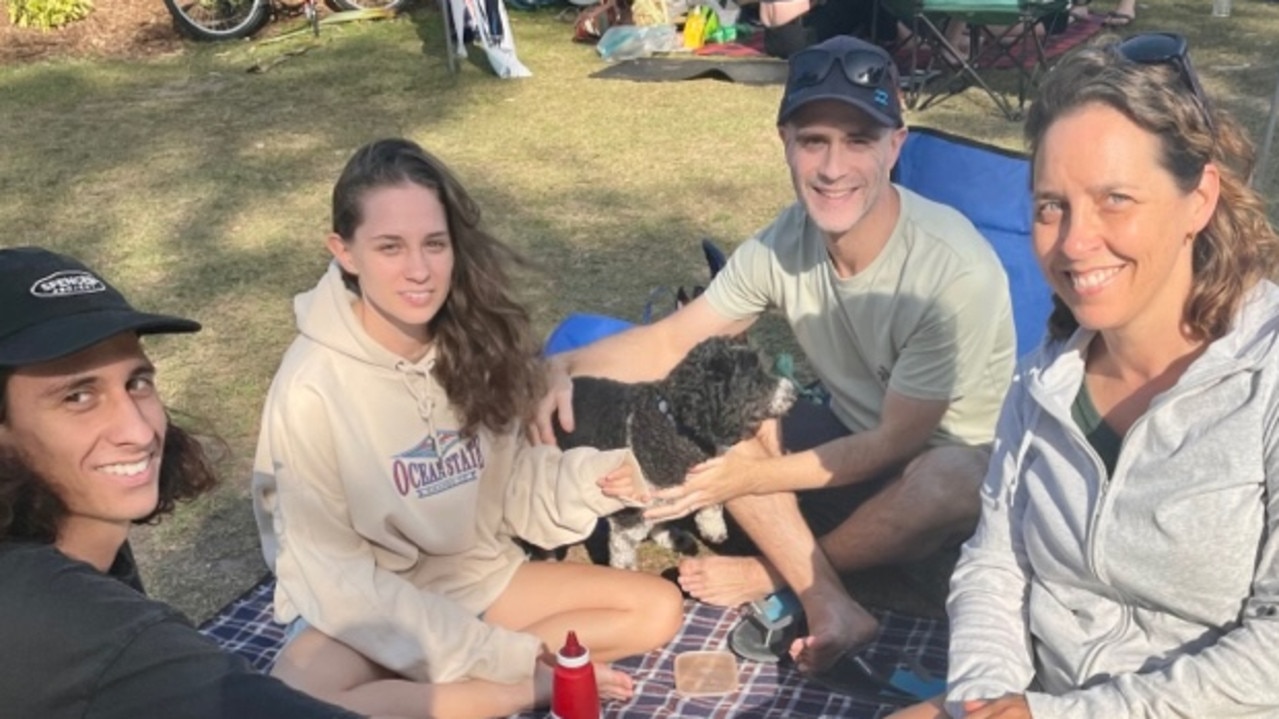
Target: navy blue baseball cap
{"x":848,"y":70}
{"x":52,"y":306}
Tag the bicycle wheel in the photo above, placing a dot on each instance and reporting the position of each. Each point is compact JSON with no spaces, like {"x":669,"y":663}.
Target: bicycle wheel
{"x":396,"y":5}
{"x":218,"y":19}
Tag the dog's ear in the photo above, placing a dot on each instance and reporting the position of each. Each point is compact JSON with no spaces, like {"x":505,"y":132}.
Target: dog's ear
{"x":683,"y":297}
{"x":715,"y":259}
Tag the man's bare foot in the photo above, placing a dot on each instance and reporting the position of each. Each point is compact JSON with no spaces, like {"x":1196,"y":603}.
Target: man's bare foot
{"x":612,"y":683}
{"x":727,"y":581}
{"x":836,"y":625}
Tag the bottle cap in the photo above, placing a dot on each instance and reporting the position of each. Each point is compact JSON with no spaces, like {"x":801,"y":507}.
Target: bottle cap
{"x":573,"y":654}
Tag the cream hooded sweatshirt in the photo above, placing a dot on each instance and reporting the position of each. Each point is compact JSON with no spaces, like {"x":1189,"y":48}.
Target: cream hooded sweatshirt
{"x":386,"y":528}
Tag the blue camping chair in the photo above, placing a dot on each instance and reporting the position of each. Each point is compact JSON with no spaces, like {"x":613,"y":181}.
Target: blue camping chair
{"x":988,"y":184}
{"x":991,"y":187}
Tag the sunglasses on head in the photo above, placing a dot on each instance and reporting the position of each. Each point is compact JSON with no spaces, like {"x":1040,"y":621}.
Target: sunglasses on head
{"x":861,"y":67}
{"x":1166,"y":48}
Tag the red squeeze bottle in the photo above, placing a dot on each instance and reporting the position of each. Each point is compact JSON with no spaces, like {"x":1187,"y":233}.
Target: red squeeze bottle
{"x":573,"y":691}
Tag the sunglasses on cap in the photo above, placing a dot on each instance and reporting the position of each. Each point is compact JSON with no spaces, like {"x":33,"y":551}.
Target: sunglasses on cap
{"x":861,"y":67}
{"x":1160,"y":48}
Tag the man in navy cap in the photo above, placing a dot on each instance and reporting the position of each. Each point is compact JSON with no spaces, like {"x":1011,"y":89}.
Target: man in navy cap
{"x":902,"y":311}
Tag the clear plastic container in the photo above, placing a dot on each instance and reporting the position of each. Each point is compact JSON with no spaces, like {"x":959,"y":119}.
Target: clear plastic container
{"x":705,"y":673}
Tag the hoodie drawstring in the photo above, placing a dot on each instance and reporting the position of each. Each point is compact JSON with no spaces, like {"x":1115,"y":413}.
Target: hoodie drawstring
{"x":416,"y":379}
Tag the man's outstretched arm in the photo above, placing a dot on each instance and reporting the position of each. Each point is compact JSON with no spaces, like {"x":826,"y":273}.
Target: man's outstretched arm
{"x":640,"y":354}
{"x":903,"y":432}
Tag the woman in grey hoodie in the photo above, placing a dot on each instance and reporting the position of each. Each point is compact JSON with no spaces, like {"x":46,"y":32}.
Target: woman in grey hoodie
{"x":1127,"y":561}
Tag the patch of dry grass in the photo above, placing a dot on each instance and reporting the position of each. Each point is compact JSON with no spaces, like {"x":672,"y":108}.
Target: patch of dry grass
{"x":202,"y":189}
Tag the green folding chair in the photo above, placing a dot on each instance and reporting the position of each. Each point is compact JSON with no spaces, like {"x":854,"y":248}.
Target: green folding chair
{"x":998,"y":29}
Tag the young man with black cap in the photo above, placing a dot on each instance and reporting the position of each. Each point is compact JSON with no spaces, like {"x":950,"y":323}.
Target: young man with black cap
{"x":87,"y":450}
{"x":902,"y":310}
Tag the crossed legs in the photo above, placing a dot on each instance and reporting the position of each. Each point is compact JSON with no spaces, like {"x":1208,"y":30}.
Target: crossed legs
{"x":614,"y":613}
{"x":931,"y":504}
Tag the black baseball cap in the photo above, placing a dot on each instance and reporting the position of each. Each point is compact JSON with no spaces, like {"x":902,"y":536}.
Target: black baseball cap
{"x":52,"y":306}
{"x":847,"y":70}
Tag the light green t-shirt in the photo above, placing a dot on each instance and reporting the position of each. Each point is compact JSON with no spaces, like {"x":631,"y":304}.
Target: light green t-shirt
{"x":930,"y":317}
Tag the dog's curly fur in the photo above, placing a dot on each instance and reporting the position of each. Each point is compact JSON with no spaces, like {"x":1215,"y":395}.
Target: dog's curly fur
{"x":718,"y":395}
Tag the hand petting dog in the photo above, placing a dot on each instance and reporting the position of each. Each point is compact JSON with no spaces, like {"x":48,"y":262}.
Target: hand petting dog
{"x":623,"y":484}
{"x":714,"y":481}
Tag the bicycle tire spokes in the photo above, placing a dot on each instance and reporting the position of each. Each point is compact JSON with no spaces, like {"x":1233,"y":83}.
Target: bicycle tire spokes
{"x":219,"y":14}
{"x":218,"y":19}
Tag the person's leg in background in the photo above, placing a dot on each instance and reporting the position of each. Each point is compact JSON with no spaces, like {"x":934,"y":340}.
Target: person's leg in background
{"x":785,"y":32}
{"x":1124,"y":13}
{"x":792,"y":25}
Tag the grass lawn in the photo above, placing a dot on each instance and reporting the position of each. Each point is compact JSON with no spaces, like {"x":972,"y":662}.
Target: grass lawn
{"x":202,"y":189}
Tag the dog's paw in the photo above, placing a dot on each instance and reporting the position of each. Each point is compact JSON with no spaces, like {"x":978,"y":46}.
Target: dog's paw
{"x":623,"y":543}
{"x":622,"y":557}
{"x":621,"y":561}
{"x":710,"y":524}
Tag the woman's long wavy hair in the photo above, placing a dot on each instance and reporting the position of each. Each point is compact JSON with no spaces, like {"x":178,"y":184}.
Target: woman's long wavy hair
{"x":31,"y":511}
{"x":1238,"y":246}
{"x":487,"y":359}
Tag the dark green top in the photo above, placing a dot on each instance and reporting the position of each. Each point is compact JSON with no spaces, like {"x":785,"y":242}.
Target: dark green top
{"x":1103,"y":439}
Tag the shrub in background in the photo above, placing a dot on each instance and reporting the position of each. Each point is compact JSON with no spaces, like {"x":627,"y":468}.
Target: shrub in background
{"x":47,"y":14}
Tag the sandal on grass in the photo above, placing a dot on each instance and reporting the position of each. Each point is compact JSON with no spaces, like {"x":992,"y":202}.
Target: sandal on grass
{"x":1117,"y":19}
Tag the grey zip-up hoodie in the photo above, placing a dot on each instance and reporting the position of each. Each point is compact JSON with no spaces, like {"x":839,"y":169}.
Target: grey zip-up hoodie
{"x":1152,"y":594}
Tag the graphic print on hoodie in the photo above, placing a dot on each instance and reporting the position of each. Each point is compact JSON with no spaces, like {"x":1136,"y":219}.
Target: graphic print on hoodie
{"x":424,"y":470}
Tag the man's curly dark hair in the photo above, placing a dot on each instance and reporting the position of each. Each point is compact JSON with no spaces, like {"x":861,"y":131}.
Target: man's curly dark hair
{"x":31,"y":511}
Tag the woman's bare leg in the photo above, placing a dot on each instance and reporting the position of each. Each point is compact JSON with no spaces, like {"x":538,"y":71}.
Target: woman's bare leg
{"x":615,"y":613}
{"x":325,"y":668}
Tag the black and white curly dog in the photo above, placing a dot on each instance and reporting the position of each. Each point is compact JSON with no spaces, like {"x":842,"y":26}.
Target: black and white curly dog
{"x":718,"y":395}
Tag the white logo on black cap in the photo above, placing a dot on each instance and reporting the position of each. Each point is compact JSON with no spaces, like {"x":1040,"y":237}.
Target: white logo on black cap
{"x":67,"y":283}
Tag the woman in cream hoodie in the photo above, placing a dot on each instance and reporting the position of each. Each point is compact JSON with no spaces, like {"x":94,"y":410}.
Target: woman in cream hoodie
{"x":392,"y":474}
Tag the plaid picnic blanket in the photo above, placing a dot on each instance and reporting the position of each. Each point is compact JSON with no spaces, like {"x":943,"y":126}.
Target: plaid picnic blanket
{"x":765,"y":690}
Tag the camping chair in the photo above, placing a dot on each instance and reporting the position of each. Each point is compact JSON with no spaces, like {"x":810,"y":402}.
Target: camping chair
{"x":999,"y":30}
{"x":991,"y":187}
{"x":451,"y":47}
{"x":491,"y":28}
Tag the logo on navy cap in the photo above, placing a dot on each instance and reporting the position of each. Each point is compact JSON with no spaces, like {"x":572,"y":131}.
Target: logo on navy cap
{"x":67,"y":283}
